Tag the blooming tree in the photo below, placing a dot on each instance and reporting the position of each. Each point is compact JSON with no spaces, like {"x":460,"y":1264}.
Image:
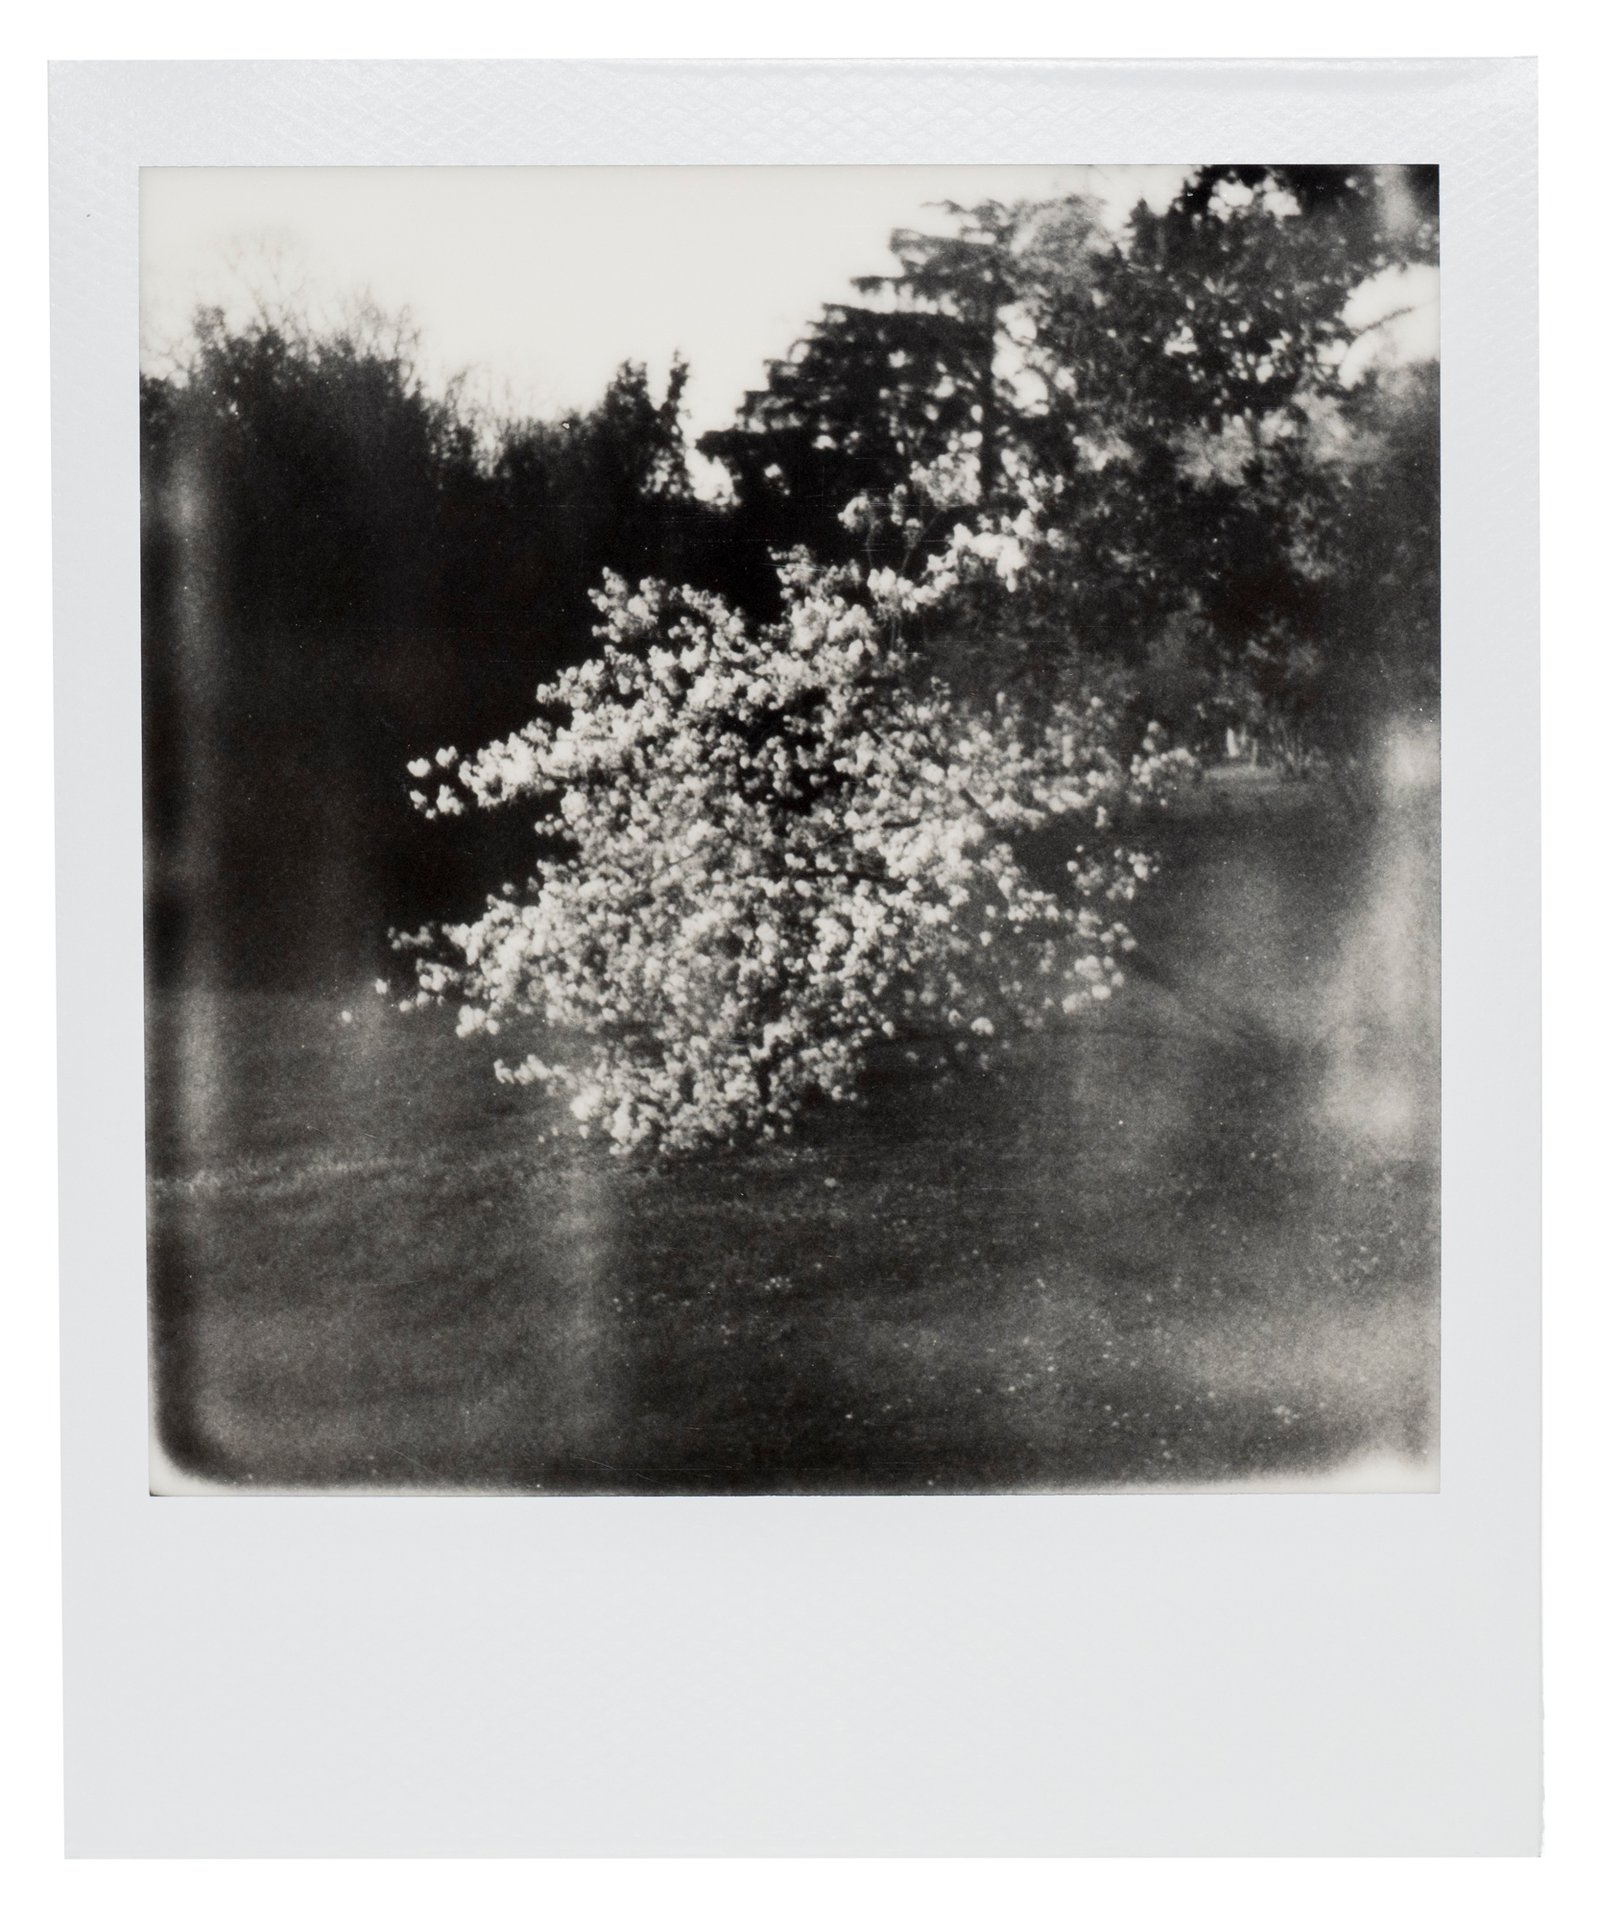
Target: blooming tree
{"x":774,"y":847}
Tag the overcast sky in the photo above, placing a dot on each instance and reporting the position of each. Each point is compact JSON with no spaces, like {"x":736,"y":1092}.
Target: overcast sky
{"x":540,"y":280}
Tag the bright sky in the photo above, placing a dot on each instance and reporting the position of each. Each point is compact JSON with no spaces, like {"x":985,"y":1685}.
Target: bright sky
{"x":537,"y":282}
{"x":540,"y":280}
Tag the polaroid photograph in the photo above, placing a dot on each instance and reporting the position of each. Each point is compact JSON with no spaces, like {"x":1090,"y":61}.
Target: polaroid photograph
{"x":791,"y":827}
{"x":796,"y":840}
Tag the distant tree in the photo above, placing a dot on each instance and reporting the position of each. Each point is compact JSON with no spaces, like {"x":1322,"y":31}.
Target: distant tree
{"x":1169,"y":393}
{"x":1195,"y":368}
{"x":560,"y":500}
{"x":934,"y":364}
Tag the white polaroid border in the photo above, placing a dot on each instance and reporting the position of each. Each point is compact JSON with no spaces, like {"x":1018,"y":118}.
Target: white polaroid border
{"x":1297,"y":1674}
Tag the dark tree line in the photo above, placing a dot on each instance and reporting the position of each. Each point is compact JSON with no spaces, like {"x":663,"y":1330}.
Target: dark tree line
{"x":342,"y":570}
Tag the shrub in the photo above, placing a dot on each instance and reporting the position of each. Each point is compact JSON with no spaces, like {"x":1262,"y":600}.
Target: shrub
{"x":777,"y":846}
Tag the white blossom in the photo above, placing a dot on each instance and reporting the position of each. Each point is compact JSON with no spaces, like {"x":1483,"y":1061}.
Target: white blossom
{"x":774,"y":849}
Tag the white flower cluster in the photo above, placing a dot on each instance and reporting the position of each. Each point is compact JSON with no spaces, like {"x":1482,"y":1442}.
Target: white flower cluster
{"x":776,"y":850}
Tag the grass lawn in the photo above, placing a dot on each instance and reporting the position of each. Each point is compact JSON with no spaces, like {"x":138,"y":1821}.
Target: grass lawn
{"x":1192,"y":1241}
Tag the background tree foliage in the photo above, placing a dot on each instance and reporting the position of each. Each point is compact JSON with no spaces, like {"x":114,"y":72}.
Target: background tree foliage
{"x":1180,"y":385}
{"x":342,"y":567}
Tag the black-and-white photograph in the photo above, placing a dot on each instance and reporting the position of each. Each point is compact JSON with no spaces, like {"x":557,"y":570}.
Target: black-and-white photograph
{"x":791,"y":824}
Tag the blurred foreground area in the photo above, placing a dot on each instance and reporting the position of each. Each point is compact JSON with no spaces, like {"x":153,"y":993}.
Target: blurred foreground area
{"x":1193,"y":1242}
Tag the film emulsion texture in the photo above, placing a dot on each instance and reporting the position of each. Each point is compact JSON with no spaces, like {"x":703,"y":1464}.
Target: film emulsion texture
{"x":792,"y":829}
